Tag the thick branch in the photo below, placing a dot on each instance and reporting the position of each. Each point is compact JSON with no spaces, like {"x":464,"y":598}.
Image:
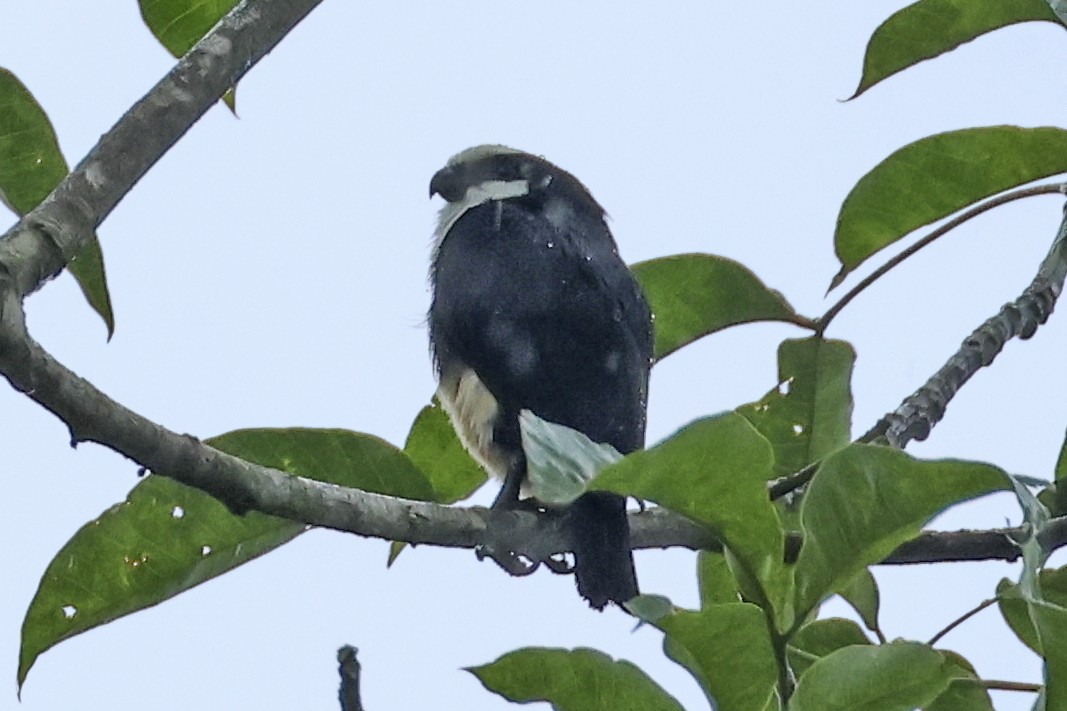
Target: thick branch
{"x":41,"y":244}
{"x":92,"y":416}
{"x":46,"y":239}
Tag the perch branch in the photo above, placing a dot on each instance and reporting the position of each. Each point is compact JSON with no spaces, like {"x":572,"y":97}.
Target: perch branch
{"x":92,"y":416}
{"x":42,"y":242}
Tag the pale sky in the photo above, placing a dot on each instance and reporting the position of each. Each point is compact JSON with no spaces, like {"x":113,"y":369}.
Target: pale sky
{"x":271,"y":271}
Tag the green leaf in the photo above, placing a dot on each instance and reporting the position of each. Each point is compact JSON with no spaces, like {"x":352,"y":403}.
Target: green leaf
{"x":1051,"y":623}
{"x":649,"y":608}
{"x":31,"y":165}
{"x":1041,"y":593}
{"x":87,"y":266}
{"x":692,"y":295}
{"x":899,"y":676}
{"x":166,"y":537}
{"x":180,"y":24}
{"x":809,"y":414}
{"x":714,"y":472}
{"x":937,"y":176}
{"x":1058,"y":496}
{"x":715,"y":580}
{"x":1061,"y":462}
{"x":862,"y":594}
{"x":965,"y":692}
{"x":573,"y":680}
{"x":433,"y":446}
{"x":926,"y":29}
{"x":1059,"y":8}
{"x":1034,"y":552}
{"x":727,"y":648}
{"x":821,"y":637}
{"x":867,"y":500}
{"x":560,"y":460}
{"x":1053,"y":586}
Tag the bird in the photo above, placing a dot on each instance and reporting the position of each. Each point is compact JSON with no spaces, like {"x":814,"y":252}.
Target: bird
{"x":533,"y":309}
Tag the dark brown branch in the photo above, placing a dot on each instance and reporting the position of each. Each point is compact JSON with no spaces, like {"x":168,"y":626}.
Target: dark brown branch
{"x":349,"y":669}
{"x":46,"y":238}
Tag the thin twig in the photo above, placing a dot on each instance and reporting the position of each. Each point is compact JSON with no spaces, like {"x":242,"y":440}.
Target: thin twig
{"x":961,"y":619}
{"x":786,"y":484}
{"x":824,"y":321}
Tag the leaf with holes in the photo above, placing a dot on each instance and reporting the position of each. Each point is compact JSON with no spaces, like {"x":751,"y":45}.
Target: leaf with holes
{"x":809,"y":414}
{"x":166,"y":537}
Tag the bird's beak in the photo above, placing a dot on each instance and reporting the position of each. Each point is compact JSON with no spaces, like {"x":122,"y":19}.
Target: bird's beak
{"x":446,"y":183}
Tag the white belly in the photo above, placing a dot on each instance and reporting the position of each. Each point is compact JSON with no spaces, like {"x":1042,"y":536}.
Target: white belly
{"x":473,"y":411}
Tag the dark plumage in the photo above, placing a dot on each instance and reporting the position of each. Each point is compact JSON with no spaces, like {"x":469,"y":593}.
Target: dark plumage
{"x":533,"y":309}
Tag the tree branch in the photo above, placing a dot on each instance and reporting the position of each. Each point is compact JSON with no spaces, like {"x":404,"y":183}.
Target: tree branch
{"x":47,"y":238}
{"x":92,"y":416}
{"x":349,"y":670}
{"x":42,"y":242}
{"x":924,"y":408}
{"x":919,"y":412}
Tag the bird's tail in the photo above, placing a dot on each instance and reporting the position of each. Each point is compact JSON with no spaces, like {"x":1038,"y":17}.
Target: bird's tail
{"x":603,"y":561}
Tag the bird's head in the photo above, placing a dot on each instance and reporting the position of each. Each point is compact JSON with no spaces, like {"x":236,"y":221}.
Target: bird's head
{"x":493,"y":172}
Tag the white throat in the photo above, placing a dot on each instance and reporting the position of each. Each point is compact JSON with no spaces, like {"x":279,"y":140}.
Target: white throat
{"x":475,"y":196}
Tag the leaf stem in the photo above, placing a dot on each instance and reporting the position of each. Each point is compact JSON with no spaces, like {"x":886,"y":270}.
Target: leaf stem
{"x":961,"y":619}
{"x":1049,"y":189}
{"x":1011,"y":686}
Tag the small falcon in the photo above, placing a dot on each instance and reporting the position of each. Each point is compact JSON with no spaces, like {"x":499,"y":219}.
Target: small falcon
{"x":534,"y":309}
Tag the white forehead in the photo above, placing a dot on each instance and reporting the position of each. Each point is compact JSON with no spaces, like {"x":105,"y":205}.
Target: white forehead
{"x":479,"y":152}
